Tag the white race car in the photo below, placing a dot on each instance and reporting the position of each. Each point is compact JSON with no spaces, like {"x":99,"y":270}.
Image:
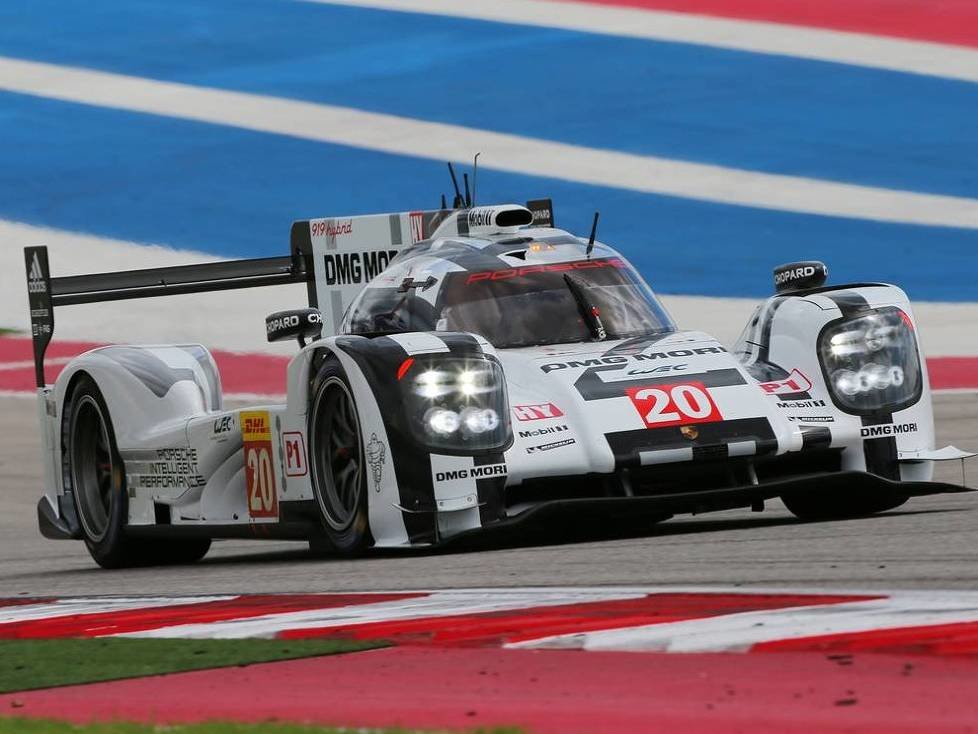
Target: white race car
{"x":473,"y":368}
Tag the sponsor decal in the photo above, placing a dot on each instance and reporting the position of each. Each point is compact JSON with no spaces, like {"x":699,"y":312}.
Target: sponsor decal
{"x":674,"y":405}
{"x":481,"y":217}
{"x":508,"y":273}
{"x":545,"y":431}
{"x":376,"y":457}
{"x":174,"y":468}
{"x":291,"y":321}
{"x":223,"y":427}
{"x":476,"y":472}
{"x":256,"y":432}
{"x":796,"y":404}
{"x":536,"y":412}
{"x":355,"y":267}
{"x":811,"y":419}
{"x":294,"y":445}
{"x":417,"y":226}
{"x":887,"y":429}
{"x":543,"y":213}
{"x":35,"y":280}
{"x":330,"y":228}
{"x":793,"y":383}
{"x":786,"y":276}
{"x":658,"y":370}
{"x":550,"y":446}
{"x":624,"y":359}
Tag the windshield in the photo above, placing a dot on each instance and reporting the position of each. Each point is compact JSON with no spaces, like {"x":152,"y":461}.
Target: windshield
{"x":555,"y":303}
{"x":537,"y":305}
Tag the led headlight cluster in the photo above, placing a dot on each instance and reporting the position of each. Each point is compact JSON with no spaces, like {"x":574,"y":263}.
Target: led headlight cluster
{"x":871,"y":362}
{"x":458,"y":404}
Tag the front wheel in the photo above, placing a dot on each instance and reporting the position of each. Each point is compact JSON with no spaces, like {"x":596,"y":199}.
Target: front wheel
{"x":337,"y":463}
{"x":840,"y":504}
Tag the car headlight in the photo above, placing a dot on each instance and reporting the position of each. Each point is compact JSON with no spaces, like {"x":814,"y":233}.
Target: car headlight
{"x":457,"y":404}
{"x":871,"y":362}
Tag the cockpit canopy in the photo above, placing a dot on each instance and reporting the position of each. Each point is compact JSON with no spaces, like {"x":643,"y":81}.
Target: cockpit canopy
{"x":455,"y":287}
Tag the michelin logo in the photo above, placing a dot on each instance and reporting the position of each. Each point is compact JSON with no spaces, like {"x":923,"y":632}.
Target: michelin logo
{"x":551,"y":446}
{"x":889,"y":429}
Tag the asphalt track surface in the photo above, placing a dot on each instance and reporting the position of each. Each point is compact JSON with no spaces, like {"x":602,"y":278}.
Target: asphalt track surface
{"x":929,"y":543}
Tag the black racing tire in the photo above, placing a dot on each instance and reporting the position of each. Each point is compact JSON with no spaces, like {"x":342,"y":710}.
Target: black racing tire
{"x":179,"y":552}
{"x":337,"y":464}
{"x":97,"y":479}
{"x":840,"y":504}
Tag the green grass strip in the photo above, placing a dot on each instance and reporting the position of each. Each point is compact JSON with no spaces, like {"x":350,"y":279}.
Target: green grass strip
{"x":30,"y":664}
{"x":43,"y":726}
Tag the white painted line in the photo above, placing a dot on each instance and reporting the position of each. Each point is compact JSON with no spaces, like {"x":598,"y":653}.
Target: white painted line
{"x":740,"y":632}
{"x":859,"y":49}
{"x":437,"y":604}
{"x":86,"y":606}
{"x":441,"y":142}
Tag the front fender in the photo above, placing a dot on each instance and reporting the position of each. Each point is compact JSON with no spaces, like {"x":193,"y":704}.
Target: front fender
{"x":408,"y":504}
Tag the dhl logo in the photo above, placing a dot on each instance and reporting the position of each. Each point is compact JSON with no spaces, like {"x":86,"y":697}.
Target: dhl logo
{"x":255,"y":426}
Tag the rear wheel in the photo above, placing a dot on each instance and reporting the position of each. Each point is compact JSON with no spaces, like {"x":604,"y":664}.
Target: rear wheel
{"x":98,"y":482}
{"x":337,"y":464}
{"x":840,"y":504}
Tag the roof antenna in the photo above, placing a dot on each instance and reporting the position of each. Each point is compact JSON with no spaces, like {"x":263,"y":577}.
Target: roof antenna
{"x":475,"y":173}
{"x":444,"y":204}
{"x":457,"y":204}
{"x":468,"y":197}
{"x":594,"y":231}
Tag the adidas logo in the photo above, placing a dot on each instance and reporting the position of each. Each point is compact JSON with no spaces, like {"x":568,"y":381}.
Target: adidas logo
{"x":35,"y":278}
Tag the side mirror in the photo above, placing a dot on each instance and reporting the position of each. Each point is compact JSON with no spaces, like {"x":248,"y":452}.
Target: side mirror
{"x":301,"y":324}
{"x":800,"y":276}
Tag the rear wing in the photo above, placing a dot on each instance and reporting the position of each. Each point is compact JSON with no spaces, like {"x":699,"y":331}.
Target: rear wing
{"x":334,"y":257}
{"x":46,"y":293}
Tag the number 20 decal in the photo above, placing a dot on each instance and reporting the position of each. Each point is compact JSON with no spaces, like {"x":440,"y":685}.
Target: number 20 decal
{"x":674,"y":405}
{"x":261,"y":483}
{"x":262,"y":493}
